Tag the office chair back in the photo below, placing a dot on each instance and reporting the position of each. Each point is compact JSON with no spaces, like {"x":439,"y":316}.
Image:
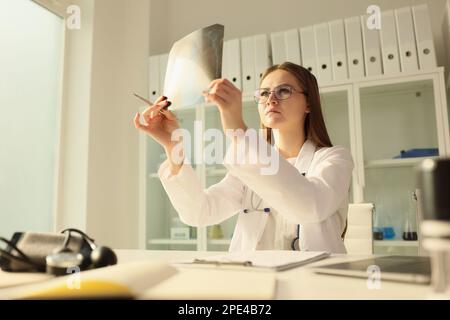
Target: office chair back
{"x":358,"y":238}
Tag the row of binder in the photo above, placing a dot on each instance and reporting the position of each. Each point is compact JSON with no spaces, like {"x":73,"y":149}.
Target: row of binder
{"x":157,"y":70}
{"x":446,"y":34}
{"x":332,"y":51}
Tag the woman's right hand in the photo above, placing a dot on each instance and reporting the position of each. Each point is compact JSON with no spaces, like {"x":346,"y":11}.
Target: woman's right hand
{"x":158,"y":126}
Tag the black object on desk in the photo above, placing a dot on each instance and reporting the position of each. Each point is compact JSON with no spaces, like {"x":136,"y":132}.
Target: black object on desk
{"x":70,"y":251}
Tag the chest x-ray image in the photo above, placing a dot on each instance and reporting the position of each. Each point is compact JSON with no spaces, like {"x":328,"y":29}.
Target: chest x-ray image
{"x":194,"y":61}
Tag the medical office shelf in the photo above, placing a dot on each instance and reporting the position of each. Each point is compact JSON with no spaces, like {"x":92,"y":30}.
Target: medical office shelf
{"x":386,"y":163}
{"x":173,"y":241}
{"x":396,"y":247}
{"x":224,"y":242}
{"x":395,"y":243}
{"x":357,"y":112}
{"x":380,"y":243}
{"x":188,"y":241}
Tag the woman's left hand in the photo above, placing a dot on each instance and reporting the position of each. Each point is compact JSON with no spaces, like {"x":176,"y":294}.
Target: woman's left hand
{"x":228,"y":99}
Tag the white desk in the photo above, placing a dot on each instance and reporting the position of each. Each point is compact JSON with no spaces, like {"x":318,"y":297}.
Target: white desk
{"x":303,"y":283}
{"x":298,"y":283}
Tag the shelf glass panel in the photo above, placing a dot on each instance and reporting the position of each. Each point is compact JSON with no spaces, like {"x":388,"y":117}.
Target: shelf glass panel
{"x":394,"y":243}
{"x":396,"y":250}
{"x":335,"y":112}
{"x":186,"y":119}
{"x":162,"y":217}
{"x":398,"y":117}
{"x":155,"y":152}
{"x":177,"y":247}
{"x":213,"y":122}
{"x":395,"y":162}
{"x":219,"y":235}
{"x":390,"y":189}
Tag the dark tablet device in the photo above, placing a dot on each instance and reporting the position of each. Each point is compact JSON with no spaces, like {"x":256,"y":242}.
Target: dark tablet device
{"x":411,"y":269}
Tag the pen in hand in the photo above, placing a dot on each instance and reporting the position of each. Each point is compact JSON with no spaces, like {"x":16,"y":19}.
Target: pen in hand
{"x":151,"y":103}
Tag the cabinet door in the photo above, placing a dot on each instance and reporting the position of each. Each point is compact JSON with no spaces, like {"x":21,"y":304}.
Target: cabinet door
{"x":399,"y":128}
{"x":219,"y":236}
{"x":338,"y":114}
{"x":164,"y":230}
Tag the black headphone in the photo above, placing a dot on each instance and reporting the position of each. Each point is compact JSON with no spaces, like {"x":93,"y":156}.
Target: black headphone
{"x":64,"y":260}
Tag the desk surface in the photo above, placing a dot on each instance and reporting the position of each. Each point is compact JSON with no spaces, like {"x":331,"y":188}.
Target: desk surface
{"x":298,"y":283}
{"x":303,"y":283}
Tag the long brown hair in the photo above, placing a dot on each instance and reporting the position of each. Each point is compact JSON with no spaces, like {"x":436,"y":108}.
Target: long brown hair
{"x":315,"y":129}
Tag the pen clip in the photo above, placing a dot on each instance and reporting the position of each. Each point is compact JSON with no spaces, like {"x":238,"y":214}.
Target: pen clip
{"x":219,"y":263}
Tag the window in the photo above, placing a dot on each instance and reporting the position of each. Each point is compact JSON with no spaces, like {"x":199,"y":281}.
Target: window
{"x":31,"y":51}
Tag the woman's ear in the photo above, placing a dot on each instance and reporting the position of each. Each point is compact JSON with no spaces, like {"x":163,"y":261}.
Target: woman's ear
{"x":307,"y":110}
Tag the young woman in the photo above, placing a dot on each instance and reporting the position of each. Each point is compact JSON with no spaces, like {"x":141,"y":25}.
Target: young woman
{"x":303,"y":205}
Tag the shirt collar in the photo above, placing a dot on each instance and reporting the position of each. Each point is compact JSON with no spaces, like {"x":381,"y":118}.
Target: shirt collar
{"x":305,"y":156}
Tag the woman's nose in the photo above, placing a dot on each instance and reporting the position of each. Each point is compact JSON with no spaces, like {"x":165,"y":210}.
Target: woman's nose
{"x":272,"y":98}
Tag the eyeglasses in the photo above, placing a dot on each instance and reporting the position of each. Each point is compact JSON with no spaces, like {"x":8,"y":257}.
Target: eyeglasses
{"x":282,"y":92}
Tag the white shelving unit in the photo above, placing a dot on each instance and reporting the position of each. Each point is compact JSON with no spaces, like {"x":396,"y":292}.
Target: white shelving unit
{"x":390,"y":163}
{"x":395,"y":243}
{"x":172,"y":241}
{"x":374,"y":117}
{"x":396,"y":247}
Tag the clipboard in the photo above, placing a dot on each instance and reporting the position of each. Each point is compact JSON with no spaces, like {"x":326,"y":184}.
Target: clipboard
{"x":263,"y":260}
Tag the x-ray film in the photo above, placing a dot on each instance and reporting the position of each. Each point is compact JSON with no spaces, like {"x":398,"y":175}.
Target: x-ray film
{"x":193,"y":63}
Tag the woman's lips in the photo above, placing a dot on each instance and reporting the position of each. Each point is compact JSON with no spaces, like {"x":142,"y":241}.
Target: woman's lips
{"x":272,"y":112}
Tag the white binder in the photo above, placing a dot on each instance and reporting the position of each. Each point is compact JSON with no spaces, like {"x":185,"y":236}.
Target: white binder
{"x":278,"y":44}
{"x":285,"y":46}
{"x":355,"y":54}
{"x":338,"y":50}
{"x":424,"y":37}
{"x":446,"y":36}
{"x":406,"y":40}
{"x":154,"y":83}
{"x":255,"y":60}
{"x":231,"y":65}
{"x":322,"y":37}
{"x":308,"y":49}
{"x":372,"y":49}
{"x":293,"y":46}
{"x":248,"y":64}
{"x":163,"y":59}
{"x":389,"y":44}
{"x":262,"y":56}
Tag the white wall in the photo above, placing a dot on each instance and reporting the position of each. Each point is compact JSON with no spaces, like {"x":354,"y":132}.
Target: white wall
{"x":120,"y":55}
{"x":106,"y":62}
{"x":173,"y":19}
{"x":73,"y":179}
